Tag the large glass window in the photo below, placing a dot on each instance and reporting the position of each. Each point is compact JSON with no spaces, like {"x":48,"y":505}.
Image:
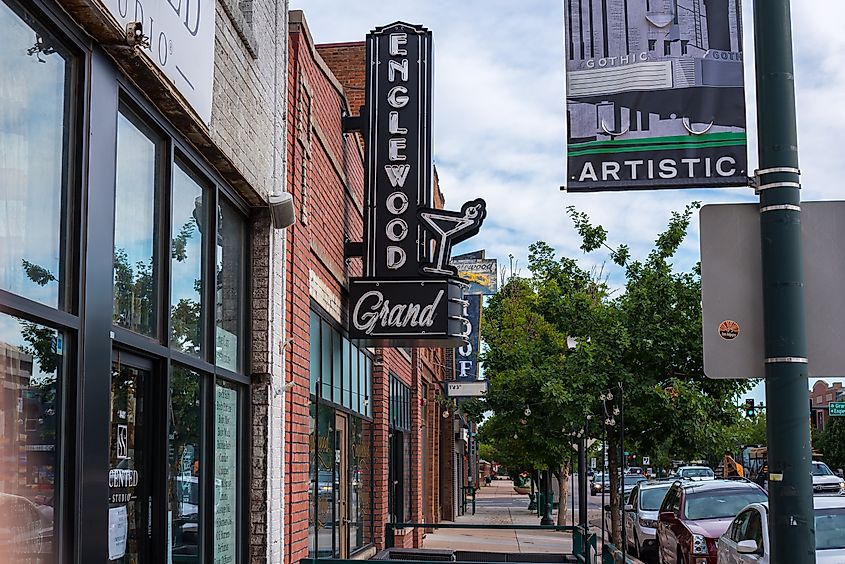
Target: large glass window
{"x":231,"y":248}
{"x":340,"y":371}
{"x":325,"y":456}
{"x":31,"y":366}
{"x":226,"y":479}
{"x":186,"y":260}
{"x":184,"y":471}
{"x":361,"y":476}
{"x":35,"y":124}
{"x":135,"y":220}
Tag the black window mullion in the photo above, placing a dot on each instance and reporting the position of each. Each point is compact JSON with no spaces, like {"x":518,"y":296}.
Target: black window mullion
{"x":209,"y":308}
{"x":159,"y":427}
{"x":208,"y":393}
{"x":164,"y":212}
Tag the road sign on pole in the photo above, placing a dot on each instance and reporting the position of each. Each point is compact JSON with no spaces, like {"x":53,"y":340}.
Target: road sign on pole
{"x":836,"y":409}
{"x":646,"y":461}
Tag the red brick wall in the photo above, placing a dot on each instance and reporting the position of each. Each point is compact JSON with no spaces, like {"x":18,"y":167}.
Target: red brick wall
{"x":326,"y":178}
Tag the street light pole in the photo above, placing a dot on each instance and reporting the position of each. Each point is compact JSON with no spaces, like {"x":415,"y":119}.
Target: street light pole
{"x":791,"y":522}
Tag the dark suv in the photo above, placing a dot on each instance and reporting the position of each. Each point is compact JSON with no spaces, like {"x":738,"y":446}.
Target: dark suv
{"x":694,"y":515}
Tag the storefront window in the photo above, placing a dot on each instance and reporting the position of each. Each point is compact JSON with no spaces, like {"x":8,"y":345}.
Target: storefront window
{"x":226,"y":479}
{"x":128,"y":477}
{"x":312,"y":480}
{"x":184,"y":499}
{"x":326,"y":355}
{"x":231,"y":248}
{"x":186,"y":262}
{"x":360,"y":472}
{"x":325,"y":481}
{"x":34,"y":134}
{"x":314,"y":373}
{"x":135,"y":264}
{"x":31,"y":363}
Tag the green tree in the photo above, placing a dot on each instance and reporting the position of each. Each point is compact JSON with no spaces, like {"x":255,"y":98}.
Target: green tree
{"x":832,"y":442}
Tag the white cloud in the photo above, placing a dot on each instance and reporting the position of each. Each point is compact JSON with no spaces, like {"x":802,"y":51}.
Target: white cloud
{"x":499,"y":117}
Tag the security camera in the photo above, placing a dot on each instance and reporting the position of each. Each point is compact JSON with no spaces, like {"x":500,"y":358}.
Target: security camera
{"x":281,"y":210}
{"x":135,"y":35}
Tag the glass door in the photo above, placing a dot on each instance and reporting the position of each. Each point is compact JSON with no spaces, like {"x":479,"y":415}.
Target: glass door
{"x":342,"y":486}
{"x":129,"y":492}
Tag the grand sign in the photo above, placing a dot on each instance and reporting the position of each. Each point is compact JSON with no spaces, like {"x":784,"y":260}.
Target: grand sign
{"x":409,"y":294}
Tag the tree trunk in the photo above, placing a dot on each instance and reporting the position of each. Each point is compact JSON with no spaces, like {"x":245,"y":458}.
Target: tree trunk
{"x":562,"y":474}
{"x":615,"y":486}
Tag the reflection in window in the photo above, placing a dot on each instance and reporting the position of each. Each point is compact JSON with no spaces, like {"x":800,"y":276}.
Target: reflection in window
{"x":325,"y":481}
{"x":314,"y":331}
{"x":34,"y":133}
{"x":183,"y":476}
{"x":312,"y":480}
{"x":230,"y":252}
{"x":135,"y":273}
{"x":225,"y":473}
{"x":30,"y":370}
{"x":360,"y":488}
{"x":187,"y":229}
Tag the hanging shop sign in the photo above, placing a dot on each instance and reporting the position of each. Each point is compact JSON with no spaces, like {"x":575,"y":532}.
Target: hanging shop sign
{"x":180,"y":42}
{"x":481,"y":273}
{"x":466,"y":356}
{"x":410,"y":294}
{"x":654,"y":96}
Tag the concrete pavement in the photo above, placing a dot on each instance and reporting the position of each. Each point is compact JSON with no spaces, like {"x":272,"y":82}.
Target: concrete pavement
{"x":499,"y":504}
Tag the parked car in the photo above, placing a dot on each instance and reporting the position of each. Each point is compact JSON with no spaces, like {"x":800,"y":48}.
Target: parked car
{"x":629,"y":482}
{"x":825,"y":481}
{"x":747,"y":539}
{"x":695,"y":473}
{"x":693,"y":515}
{"x":634,"y":470}
{"x":641,"y":513}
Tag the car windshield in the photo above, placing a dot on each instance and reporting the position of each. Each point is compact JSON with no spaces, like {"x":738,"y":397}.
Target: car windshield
{"x":821,"y":469}
{"x":830,"y":528}
{"x":697,"y":473}
{"x":720,"y":504}
{"x":633,"y":480}
{"x":650,"y":498}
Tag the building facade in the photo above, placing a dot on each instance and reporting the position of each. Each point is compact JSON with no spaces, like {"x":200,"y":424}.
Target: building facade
{"x":362,"y":435}
{"x":821,"y":396}
{"x":141,"y":281}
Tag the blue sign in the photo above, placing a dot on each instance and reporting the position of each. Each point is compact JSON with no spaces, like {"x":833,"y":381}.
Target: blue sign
{"x":466,"y":357}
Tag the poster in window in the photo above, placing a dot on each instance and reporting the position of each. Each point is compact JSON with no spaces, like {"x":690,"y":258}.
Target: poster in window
{"x":225,"y":476}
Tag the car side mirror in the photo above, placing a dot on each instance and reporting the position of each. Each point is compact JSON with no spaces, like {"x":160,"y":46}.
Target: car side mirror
{"x":747,"y":546}
{"x":629,"y":507}
{"x":667,"y":516}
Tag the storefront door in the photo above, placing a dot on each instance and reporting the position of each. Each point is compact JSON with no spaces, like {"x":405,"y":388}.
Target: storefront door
{"x":129,"y":477}
{"x":342,"y":485}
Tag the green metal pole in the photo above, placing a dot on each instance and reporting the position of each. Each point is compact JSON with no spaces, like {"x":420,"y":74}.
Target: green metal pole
{"x":791,"y":523}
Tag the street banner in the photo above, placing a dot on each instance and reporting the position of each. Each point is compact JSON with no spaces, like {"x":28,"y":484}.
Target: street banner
{"x":466,"y":357}
{"x":654,"y":95}
{"x":481,"y":274}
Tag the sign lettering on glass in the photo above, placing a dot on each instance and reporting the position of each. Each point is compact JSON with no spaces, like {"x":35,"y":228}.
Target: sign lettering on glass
{"x":410,"y":294}
{"x":225,"y":473}
{"x":181,"y":43}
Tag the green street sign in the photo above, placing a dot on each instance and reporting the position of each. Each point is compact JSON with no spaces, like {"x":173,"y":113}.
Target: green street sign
{"x":837,"y":408}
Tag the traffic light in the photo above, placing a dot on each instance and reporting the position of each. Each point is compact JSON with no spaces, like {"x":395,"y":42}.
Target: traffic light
{"x":749,"y":408}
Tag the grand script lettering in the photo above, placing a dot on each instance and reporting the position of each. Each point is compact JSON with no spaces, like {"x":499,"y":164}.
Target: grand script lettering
{"x":373,"y":311}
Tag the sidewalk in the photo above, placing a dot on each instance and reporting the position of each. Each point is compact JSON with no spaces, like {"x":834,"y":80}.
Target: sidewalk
{"x":498,"y":504}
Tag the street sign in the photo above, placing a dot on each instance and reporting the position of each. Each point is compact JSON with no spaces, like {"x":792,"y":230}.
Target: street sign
{"x":836,"y":409}
{"x":732,"y":278}
{"x":646,"y":461}
{"x":466,"y":389}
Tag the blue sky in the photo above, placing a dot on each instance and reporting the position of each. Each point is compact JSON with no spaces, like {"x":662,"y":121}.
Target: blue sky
{"x":499,"y":119}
